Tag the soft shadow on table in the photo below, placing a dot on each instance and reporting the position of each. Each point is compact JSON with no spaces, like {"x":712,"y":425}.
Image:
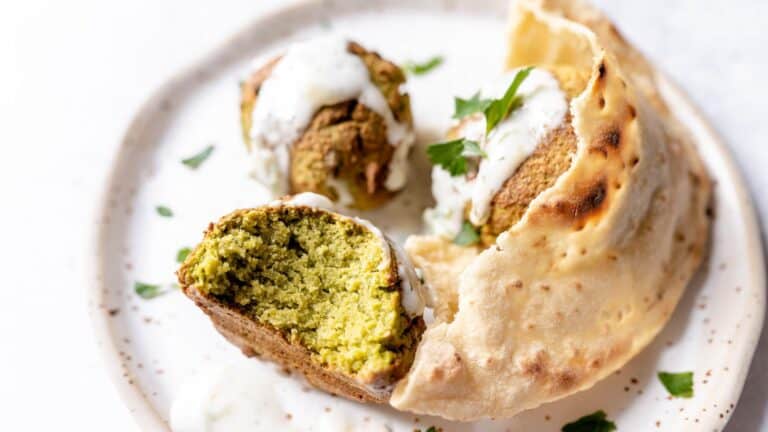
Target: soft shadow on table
{"x":750,"y":414}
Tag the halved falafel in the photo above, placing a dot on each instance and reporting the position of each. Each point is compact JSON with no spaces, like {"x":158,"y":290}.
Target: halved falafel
{"x":345,"y":152}
{"x":312,"y":290}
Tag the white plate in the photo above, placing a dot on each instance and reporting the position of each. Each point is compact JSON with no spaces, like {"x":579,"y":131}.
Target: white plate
{"x":153,"y":347}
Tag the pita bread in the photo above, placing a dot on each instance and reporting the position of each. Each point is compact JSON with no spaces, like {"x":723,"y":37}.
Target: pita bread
{"x":598,"y":262}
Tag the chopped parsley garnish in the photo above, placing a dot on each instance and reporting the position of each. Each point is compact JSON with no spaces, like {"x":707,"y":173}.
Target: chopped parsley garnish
{"x":468,"y":235}
{"x":432,"y":429}
{"x":164,"y":211}
{"x":147,"y":291}
{"x":452,"y":155}
{"x":465,"y":107}
{"x":195,"y":161}
{"x":499,"y":109}
{"x":181,"y":255}
{"x":150,"y":291}
{"x":415,"y":68}
{"x":595,"y":422}
{"x":678,"y":384}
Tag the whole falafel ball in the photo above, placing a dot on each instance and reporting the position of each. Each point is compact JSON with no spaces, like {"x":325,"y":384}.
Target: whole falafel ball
{"x":344,"y":153}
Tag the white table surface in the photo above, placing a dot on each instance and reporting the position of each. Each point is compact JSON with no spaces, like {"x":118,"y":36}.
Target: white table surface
{"x":71,"y":75}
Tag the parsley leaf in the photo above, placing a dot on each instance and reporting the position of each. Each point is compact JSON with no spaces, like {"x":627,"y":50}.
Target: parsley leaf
{"x":465,"y":107}
{"x":499,"y":109}
{"x":181,"y":255}
{"x":147,"y":291}
{"x":195,"y":161}
{"x":468,"y":235}
{"x":452,"y":155}
{"x":595,"y":422}
{"x":150,"y":291}
{"x":472,"y":148}
{"x":164,"y":211}
{"x":422,"y":68}
{"x":678,"y":384}
{"x":432,"y":429}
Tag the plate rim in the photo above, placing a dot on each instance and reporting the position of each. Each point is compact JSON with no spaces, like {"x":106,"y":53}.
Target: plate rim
{"x":144,"y":412}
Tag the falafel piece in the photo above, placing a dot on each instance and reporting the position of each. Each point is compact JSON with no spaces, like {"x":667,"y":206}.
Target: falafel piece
{"x":344,"y":154}
{"x":539,"y":172}
{"x":311,"y":290}
{"x":551,"y":158}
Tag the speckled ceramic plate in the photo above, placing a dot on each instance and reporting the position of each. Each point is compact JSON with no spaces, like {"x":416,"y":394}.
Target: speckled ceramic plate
{"x":153,"y":347}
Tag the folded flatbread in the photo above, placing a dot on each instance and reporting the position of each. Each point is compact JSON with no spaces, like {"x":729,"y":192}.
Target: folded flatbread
{"x":598,"y":262}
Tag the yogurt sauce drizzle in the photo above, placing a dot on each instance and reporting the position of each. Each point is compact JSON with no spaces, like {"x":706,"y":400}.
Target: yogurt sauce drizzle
{"x":250,"y":396}
{"x":510,"y":143}
{"x":313,"y":74}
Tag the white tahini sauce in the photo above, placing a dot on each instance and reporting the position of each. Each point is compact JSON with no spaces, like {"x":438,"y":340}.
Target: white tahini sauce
{"x":510,"y":143}
{"x":250,"y":396}
{"x":313,"y":74}
{"x":412,"y":297}
{"x":309,"y":199}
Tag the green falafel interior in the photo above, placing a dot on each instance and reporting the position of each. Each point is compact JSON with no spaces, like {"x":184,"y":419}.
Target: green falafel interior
{"x":323,"y":281}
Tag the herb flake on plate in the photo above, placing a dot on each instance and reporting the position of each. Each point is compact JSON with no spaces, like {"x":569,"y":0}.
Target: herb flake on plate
{"x":468,"y":235}
{"x":421,"y":68}
{"x":452,"y":155}
{"x":148,"y":291}
{"x":595,"y":422}
{"x":195,"y":161}
{"x":181,"y":255}
{"x":678,"y":384}
{"x":164,"y":211}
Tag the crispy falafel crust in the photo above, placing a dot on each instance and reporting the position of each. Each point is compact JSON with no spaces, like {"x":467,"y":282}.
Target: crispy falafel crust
{"x":258,"y":339}
{"x":346,"y":141}
{"x":538,"y":172}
